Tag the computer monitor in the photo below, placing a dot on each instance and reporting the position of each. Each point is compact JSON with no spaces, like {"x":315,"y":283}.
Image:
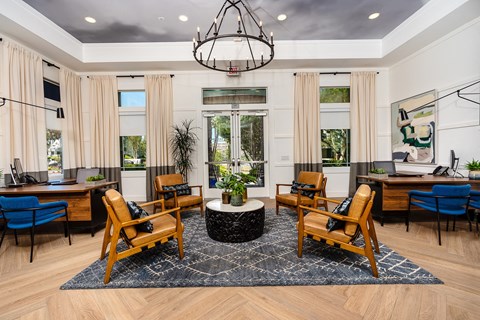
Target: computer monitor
{"x":454,"y":162}
{"x":17,"y":164}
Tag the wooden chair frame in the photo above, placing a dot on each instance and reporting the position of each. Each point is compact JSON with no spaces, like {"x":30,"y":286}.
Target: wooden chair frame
{"x":320,"y":194}
{"x":159,"y":194}
{"x":365,"y":227}
{"x":112,"y":236}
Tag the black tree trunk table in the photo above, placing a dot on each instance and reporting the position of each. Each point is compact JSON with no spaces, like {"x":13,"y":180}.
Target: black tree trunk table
{"x":226,"y":223}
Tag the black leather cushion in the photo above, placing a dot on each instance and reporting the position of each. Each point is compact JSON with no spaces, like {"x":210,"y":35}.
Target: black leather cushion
{"x":296,"y":185}
{"x":342,"y":208}
{"x":182,"y":189}
{"x":137,"y":212}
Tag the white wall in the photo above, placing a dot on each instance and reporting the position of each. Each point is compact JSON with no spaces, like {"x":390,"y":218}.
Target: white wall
{"x":446,"y":66}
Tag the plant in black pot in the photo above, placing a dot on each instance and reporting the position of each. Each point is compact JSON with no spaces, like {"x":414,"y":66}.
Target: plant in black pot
{"x":238,"y":188}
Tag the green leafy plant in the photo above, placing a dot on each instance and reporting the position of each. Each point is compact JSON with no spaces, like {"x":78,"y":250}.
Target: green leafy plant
{"x":473,"y":165}
{"x":95,"y":178}
{"x":238,"y":187}
{"x":226,"y":182}
{"x":247,"y":178}
{"x":378,"y":171}
{"x":182,"y":142}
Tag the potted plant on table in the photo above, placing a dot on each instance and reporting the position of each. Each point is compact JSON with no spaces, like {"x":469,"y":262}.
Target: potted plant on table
{"x":474,"y":169}
{"x":379,"y":173}
{"x":238,"y":188}
{"x":226,"y":183}
{"x":246,"y":178}
{"x":93,"y":180}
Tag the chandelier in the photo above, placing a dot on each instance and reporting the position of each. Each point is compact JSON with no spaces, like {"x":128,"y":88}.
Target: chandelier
{"x":235,"y":50}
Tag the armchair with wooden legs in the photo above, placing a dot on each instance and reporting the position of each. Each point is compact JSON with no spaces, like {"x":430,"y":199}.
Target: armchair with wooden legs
{"x":120,"y":225}
{"x":292,"y":200}
{"x":359,"y":221}
{"x":185,"y":202}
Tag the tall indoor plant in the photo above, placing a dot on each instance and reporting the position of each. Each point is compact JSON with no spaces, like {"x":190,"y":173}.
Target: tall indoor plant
{"x":182,"y":142}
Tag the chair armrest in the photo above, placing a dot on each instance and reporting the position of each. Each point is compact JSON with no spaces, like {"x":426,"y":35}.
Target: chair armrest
{"x":316,"y":198}
{"x":199,"y":189}
{"x":161,"y":201}
{"x":330,"y":214}
{"x":147,"y":218}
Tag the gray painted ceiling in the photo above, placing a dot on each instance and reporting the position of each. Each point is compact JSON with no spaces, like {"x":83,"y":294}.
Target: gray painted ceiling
{"x":157,"y":20}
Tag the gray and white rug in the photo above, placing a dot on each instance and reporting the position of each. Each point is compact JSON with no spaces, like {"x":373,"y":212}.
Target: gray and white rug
{"x":270,"y":260}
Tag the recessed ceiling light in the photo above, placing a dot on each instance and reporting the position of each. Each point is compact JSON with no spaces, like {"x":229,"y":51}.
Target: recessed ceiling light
{"x":282,"y":17}
{"x":374,"y":16}
{"x":161,"y":18}
{"x":183,"y":18}
{"x":90,"y":20}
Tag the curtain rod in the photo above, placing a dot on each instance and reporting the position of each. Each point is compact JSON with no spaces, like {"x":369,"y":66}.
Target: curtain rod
{"x":334,"y":73}
{"x":139,"y":76}
{"x":135,"y":76}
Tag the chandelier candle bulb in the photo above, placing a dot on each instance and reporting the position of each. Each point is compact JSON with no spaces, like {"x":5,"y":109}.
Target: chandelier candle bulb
{"x":198,"y":33}
{"x":239,"y":26}
{"x":201,"y":55}
{"x":262,"y":57}
{"x":271,"y":37}
{"x":261,"y":29}
{"x":215,"y":23}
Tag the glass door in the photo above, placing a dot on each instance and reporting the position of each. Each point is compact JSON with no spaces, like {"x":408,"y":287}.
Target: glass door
{"x":236,"y":140}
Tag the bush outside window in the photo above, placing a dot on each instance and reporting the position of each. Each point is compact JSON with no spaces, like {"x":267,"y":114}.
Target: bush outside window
{"x":54,"y":151}
{"x":334,"y":94}
{"x":335,"y":147}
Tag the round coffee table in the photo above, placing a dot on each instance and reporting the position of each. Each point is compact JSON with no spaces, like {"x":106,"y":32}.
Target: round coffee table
{"x":227,"y":223}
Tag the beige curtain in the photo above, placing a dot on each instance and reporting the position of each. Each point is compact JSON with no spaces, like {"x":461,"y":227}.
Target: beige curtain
{"x":24,"y":126}
{"x":363,"y":122}
{"x":72,"y":126}
{"x":307,"y":143}
{"x":159,"y":94}
{"x":105,"y":132}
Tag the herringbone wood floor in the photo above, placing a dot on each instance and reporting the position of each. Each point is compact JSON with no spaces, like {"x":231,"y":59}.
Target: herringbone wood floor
{"x":31,"y":290}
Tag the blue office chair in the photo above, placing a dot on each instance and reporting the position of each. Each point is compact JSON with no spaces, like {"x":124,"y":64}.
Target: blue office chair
{"x":443,"y":199}
{"x":475,"y":203}
{"x":27,"y":212}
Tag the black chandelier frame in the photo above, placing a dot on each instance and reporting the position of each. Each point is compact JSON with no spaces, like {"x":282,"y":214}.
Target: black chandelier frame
{"x":212,"y":35}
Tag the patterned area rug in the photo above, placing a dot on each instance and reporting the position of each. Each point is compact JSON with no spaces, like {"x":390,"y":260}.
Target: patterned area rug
{"x":270,"y":260}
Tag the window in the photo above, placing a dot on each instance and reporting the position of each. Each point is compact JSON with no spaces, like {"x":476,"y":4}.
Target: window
{"x":133,"y":152}
{"x":335,"y":120}
{"x":54,"y":151}
{"x":334,"y":94}
{"x":234,"y":96}
{"x":51,"y":90}
{"x":335,"y":147}
{"x":131,"y":98}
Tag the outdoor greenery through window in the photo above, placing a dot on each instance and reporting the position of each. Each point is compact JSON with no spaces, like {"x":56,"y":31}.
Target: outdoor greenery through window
{"x":133,"y":150}
{"x":234,"y":96}
{"x":131,"y":98}
{"x":54,"y":151}
{"x":334,"y":94}
{"x":335,"y":147}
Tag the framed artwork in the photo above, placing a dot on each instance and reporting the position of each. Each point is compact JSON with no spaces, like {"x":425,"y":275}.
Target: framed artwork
{"x":413,"y":129}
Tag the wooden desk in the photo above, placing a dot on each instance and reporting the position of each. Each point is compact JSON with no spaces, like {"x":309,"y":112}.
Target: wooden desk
{"x":84,"y":201}
{"x":392,"y":193}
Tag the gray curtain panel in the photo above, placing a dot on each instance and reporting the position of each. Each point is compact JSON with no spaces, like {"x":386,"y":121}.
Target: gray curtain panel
{"x":113,"y":174}
{"x":357,"y":169}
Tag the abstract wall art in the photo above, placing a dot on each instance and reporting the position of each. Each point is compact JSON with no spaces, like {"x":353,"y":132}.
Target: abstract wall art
{"x":413,"y":129}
